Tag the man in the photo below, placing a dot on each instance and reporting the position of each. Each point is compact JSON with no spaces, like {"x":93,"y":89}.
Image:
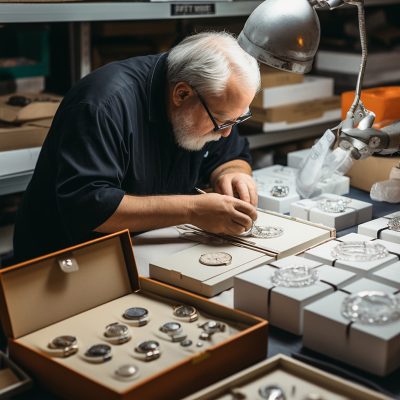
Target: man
{"x":132,"y":140}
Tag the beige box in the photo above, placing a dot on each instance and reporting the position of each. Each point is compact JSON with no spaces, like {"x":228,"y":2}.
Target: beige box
{"x":185,"y":269}
{"x":42,"y":105}
{"x":256,"y":293}
{"x":271,"y":77}
{"x":355,"y":213}
{"x":323,"y":254}
{"x":372,"y":348}
{"x":286,"y":373}
{"x":21,"y":137}
{"x":378,"y":228}
{"x":77,"y":291}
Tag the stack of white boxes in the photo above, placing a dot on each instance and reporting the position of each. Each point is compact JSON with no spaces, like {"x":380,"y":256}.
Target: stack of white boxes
{"x":315,"y":310}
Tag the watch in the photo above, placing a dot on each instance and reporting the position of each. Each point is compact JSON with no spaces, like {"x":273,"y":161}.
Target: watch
{"x":272,"y":392}
{"x":215,"y":259}
{"x":147,"y":350}
{"x":210,"y":328}
{"x":98,"y":353}
{"x":185,"y":313}
{"x":117,"y":333}
{"x":63,"y":346}
{"x":137,"y":316}
{"x":173,"y":330}
{"x":127,"y":372}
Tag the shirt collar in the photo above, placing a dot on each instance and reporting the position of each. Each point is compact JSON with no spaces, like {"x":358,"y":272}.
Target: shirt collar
{"x":156,"y":88}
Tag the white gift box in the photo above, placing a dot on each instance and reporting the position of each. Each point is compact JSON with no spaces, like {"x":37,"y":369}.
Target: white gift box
{"x":295,"y":158}
{"x":323,"y":254}
{"x":373,"y":348}
{"x":336,"y":184}
{"x":355,"y":213}
{"x":378,"y":228}
{"x":276,"y":171}
{"x":255,"y":293}
{"x":389,"y":275}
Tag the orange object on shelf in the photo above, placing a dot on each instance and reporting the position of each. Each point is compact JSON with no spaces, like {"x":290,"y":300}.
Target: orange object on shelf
{"x":383,"y":101}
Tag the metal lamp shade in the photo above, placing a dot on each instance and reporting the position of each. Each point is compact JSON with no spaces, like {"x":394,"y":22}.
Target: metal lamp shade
{"x":283,"y":34}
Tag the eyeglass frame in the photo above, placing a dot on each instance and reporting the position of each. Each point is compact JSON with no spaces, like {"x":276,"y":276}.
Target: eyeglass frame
{"x":220,"y":127}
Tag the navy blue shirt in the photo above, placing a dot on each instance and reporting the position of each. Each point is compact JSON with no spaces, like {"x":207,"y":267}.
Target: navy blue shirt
{"x":110,"y":137}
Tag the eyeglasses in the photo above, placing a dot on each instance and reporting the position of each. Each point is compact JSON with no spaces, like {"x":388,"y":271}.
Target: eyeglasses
{"x":226,"y":124}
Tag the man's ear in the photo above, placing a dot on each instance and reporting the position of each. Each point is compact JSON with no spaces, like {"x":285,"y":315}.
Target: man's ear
{"x":180,"y":93}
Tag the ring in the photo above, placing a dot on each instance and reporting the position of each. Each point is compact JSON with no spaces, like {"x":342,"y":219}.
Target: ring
{"x":279,"y":191}
{"x":394,"y":224}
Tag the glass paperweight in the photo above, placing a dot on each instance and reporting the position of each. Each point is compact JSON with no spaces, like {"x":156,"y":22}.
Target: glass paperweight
{"x":295,"y":276}
{"x":266,"y":232}
{"x":359,"y":251}
{"x":333,"y":205}
{"x":394,"y":224}
{"x":371,"y":307}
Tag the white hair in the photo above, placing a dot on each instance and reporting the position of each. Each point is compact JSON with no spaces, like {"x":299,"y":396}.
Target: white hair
{"x":207,"y":60}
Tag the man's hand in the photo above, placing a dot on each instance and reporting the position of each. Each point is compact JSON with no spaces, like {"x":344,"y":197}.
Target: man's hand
{"x":218,"y":213}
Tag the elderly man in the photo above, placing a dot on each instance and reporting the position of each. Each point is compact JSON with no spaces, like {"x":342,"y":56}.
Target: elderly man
{"x":132,"y":140}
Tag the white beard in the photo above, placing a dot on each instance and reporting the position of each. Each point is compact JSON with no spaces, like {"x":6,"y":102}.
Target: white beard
{"x":183,"y":127}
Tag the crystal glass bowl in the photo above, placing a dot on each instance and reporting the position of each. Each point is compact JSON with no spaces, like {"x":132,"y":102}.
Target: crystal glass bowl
{"x":371,"y":307}
{"x":295,"y":276}
{"x":359,"y":251}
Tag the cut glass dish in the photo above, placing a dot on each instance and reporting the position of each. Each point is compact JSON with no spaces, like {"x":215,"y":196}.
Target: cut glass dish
{"x":266,"y":232}
{"x":333,"y":206}
{"x":295,"y":276}
{"x":371,"y":307}
{"x":394,"y":224}
{"x":359,"y":251}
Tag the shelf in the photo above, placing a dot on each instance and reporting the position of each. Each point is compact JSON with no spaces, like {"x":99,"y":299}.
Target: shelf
{"x":272,"y":138}
{"x":84,"y":12}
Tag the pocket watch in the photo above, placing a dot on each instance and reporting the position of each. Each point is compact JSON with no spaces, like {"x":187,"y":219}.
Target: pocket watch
{"x":215,"y":259}
{"x":117,"y":333}
{"x":63,"y":346}
{"x":185,"y":313}
{"x":173,"y":330}
{"x":137,"y":316}
{"x":98,"y":353}
{"x":147,"y":350}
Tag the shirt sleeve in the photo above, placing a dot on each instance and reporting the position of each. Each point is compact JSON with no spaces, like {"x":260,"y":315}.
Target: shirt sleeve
{"x":91,"y":165}
{"x":233,"y":147}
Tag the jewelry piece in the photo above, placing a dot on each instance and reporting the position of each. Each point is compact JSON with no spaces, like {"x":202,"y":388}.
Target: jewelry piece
{"x":186,"y":343}
{"x":266,"y":232}
{"x":98,"y":353}
{"x":371,"y":307}
{"x":272,"y":392}
{"x":333,"y":206}
{"x":137,"y":316}
{"x":210,"y":328}
{"x":63,"y":346}
{"x":199,"y":344}
{"x":279,"y":191}
{"x":147,"y":350}
{"x":185,"y":313}
{"x":394,"y":224}
{"x":359,"y":251}
{"x":295,"y":276}
{"x":215,"y":259}
{"x":127,"y":372}
{"x":117,"y":333}
{"x":173,"y":330}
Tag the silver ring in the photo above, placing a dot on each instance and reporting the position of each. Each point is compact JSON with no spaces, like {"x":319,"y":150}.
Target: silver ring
{"x":279,"y":191}
{"x":394,"y":224}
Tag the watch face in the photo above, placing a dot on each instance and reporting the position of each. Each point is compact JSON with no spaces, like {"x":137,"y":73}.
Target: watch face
{"x":115,"y":330}
{"x":148,"y":345}
{"x":61,"y":342}
{"x":135,"y":313}
{"x":171,"y":327}
{"x":216,"y":259}
{"x":184,"y":311}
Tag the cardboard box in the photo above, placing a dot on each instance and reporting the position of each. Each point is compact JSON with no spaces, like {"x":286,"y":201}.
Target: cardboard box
{"x":271,"y":77}
{"x":355,"y":213}
{"x":323,"y":254}
{"x":287,"y":373}
{"x":186,"y":270}
{"x":21,"y":137}
{"x":372,"y":348}
{"x":296,"y":112}
{"x":41,"y":301}
{"x":42,"y":106}
{"x":364,"y":173}
{"x":378,"y":228}
{"x":283,"y":306}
